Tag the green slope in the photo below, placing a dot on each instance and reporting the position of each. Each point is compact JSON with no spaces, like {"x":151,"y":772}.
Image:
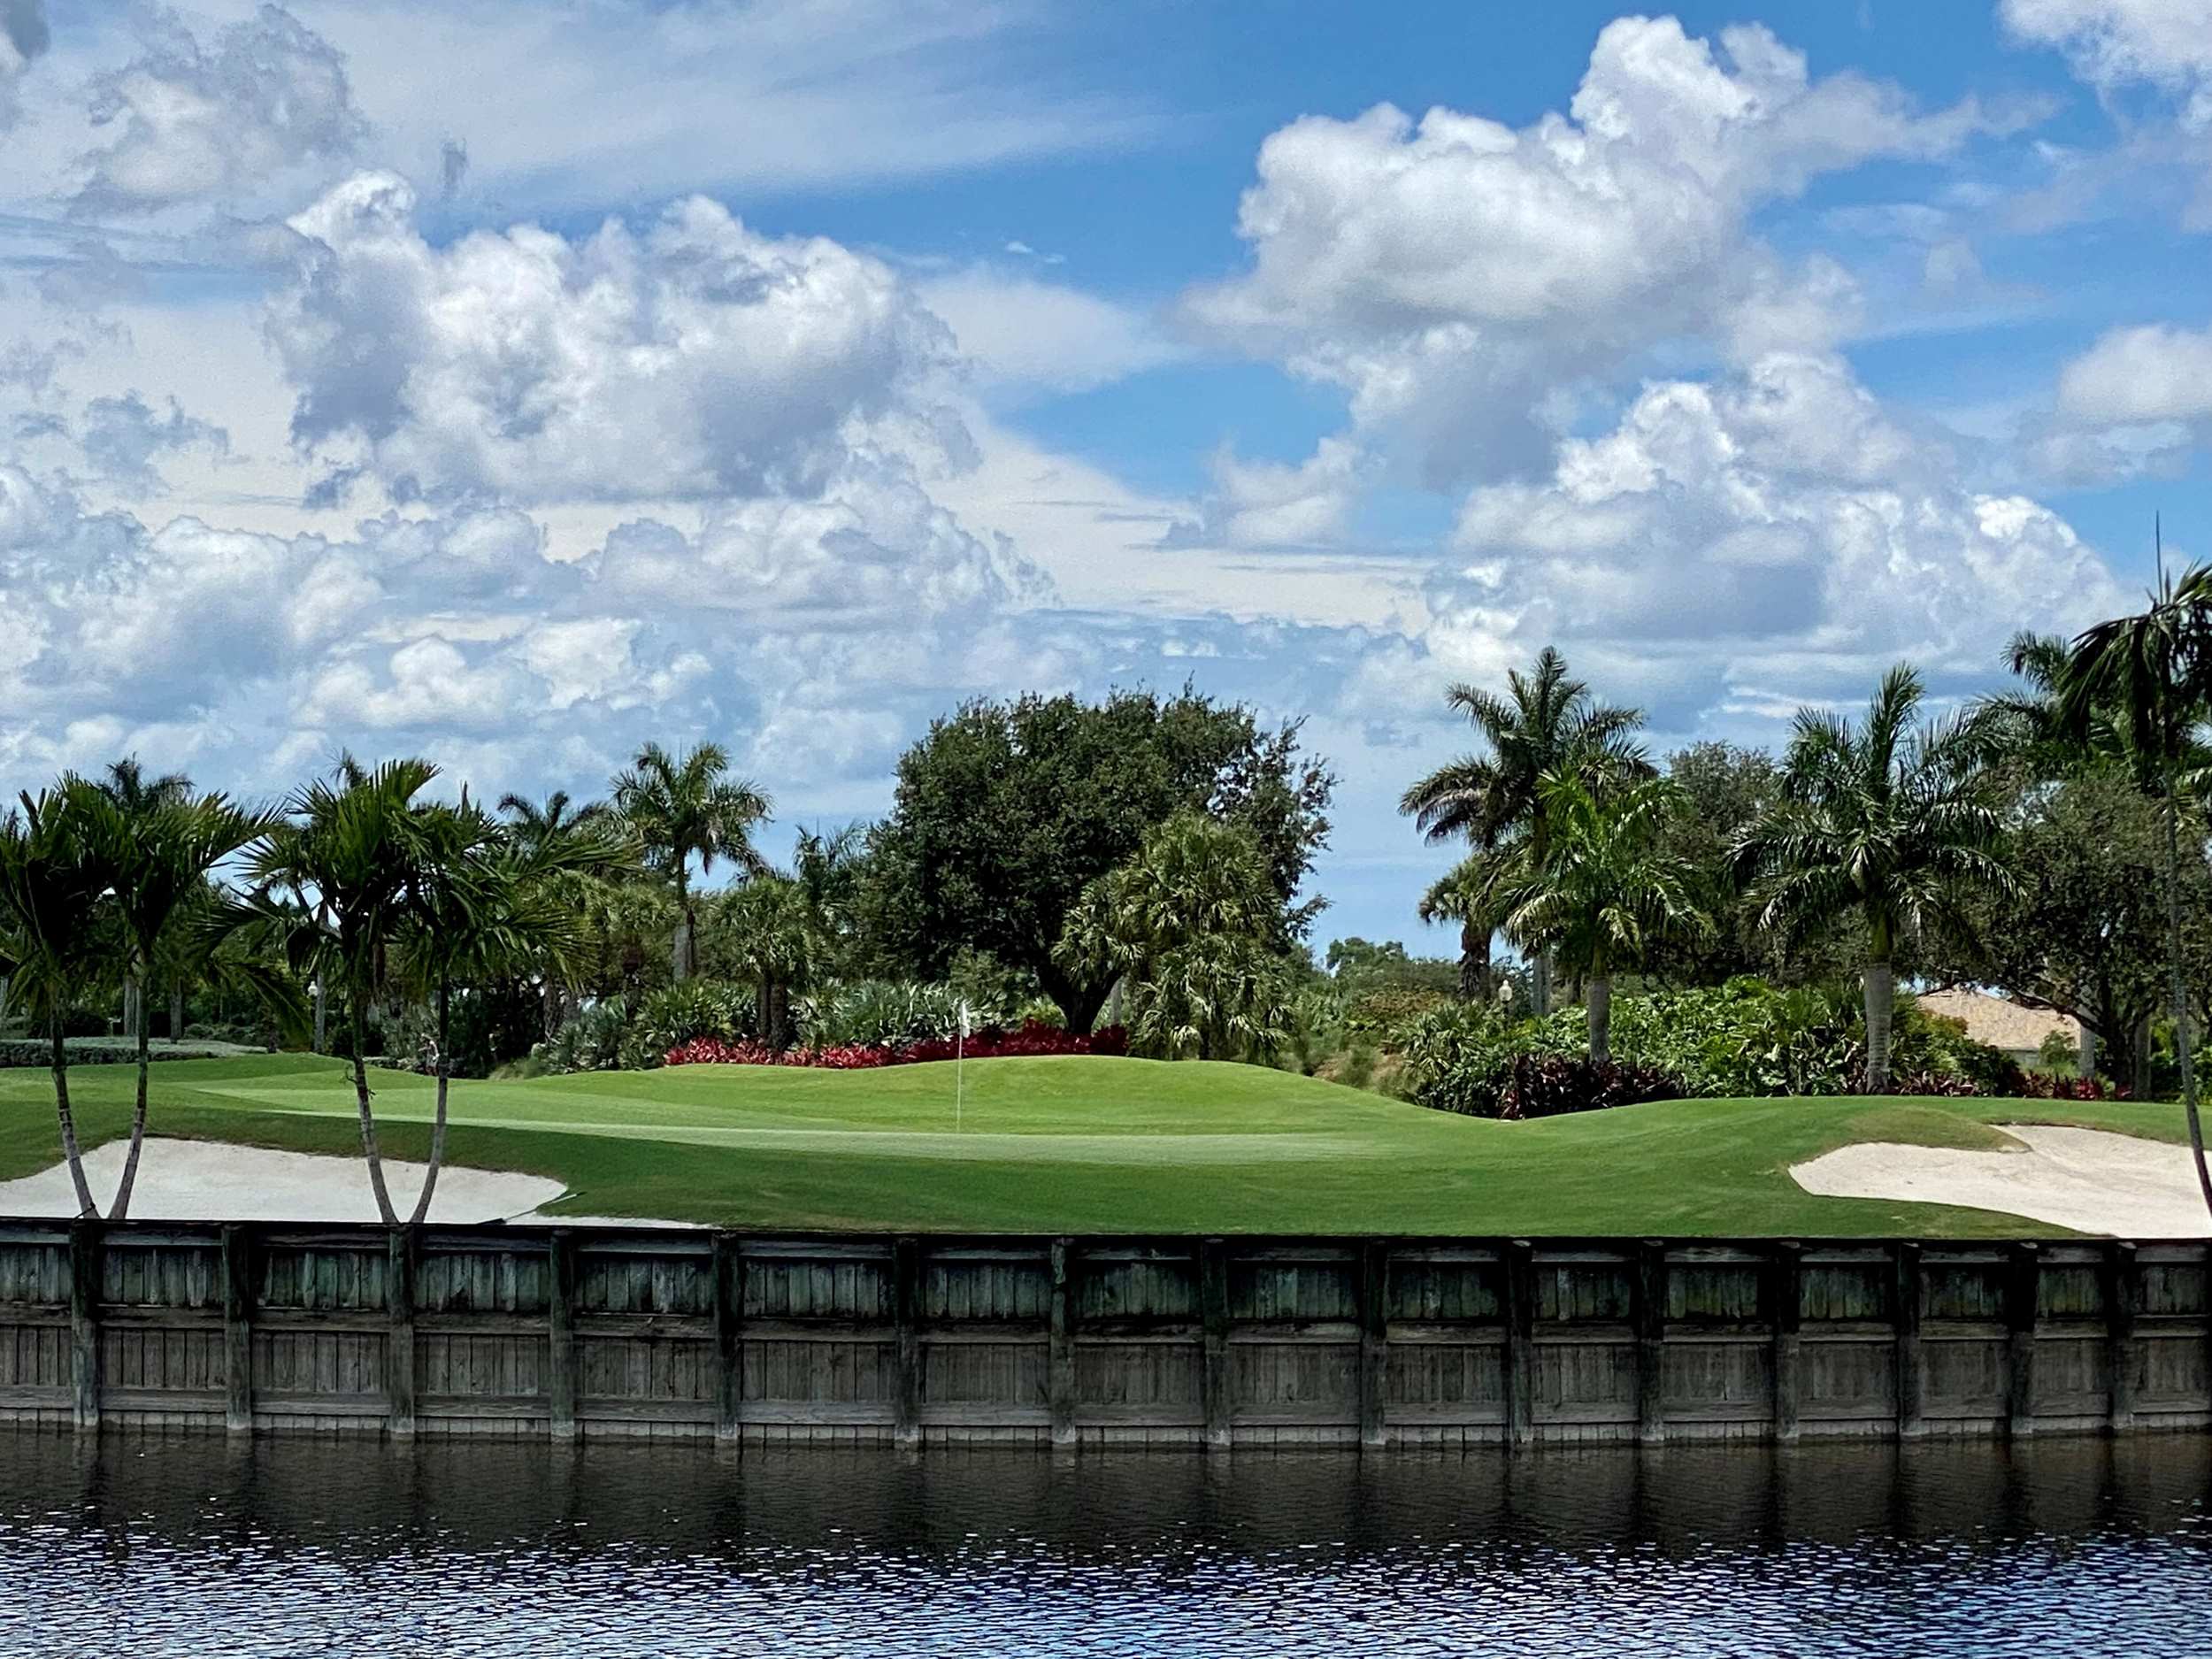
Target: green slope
{"x":1077,"y":1144}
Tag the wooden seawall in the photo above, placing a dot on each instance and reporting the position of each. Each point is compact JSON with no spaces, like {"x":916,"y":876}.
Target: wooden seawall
{"x":1096,"y":1340}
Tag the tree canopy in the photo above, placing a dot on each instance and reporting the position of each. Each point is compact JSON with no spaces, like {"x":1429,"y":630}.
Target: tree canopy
{"x":1006,"y":811}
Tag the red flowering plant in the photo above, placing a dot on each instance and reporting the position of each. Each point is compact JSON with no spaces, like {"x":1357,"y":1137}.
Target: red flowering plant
{"x":1032,"y":1038}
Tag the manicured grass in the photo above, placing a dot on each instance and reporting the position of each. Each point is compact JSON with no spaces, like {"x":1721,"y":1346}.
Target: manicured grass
{"x":1080,"y":1144}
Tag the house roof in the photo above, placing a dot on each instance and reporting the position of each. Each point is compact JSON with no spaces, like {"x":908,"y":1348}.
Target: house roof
{"x":1999,"y":1021}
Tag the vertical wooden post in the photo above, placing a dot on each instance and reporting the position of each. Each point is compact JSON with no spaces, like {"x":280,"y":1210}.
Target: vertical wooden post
{"x":399,"y":1349}
{"x":2123,"y":1278}
{"x":560,"y":1321}
{"x":729,"y":1345}
{"x":85,"y":1262}
{"x":1213,"y":1309}
{"x":238,"y":1329}
{"x":1647,"y":1311}
{"x":1374,"y":1342}
{"x":1519,"y":1260}
{"x":1786,"y":1282}
{"x":906,"y":1289}
{"x":2023,"y":1283}
{"x":1060,"y":1352}
{"x":1911,"y":1298}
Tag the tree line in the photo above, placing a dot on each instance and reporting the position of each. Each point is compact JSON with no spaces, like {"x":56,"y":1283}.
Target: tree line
{"x":2050,"y":841}
{"x":1037,"y":849}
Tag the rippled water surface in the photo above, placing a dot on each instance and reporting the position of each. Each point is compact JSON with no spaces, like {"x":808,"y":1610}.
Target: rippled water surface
{"x":151,"y":1546}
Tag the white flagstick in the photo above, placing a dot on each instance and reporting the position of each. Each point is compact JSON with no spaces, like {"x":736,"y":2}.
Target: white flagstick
{"x":959,"y":1069}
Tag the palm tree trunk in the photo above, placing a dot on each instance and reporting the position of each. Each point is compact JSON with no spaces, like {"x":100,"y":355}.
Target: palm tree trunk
{"x":176,"y":1012}
{"x":121,"y":1207}
{"x":1881,"y":1002}
{"x":437,"y":1127}
{"x":322,"y":1020}
{"x":384,"y":1210}
{"x":2087,"y":1063}
{"x":1539,"y":982}
{"x":1474,"y":962}
{"x":679,"y":968}
{"x":1601,"y":1004}
{"x":2179,"y":994}
{"x":779,"y":1017}
{"x":69,"y":1148}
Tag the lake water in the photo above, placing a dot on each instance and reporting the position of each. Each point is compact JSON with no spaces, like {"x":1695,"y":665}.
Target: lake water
{"x":195,"y":1547}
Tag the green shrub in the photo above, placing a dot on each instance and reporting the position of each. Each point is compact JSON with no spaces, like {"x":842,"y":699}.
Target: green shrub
{"x":590,"y":1041}
{"x":677,"y":1014}
{"x":876,"y":1013}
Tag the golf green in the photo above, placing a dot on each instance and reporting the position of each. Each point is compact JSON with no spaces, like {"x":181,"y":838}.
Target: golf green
{"x":1077,"y":1145}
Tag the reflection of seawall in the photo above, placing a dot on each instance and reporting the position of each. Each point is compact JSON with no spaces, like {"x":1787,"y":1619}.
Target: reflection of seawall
{"x":744,"y":1337}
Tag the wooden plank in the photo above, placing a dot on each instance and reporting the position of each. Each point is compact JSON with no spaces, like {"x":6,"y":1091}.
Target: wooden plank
{"x":1060,"y":1360}
{"x":403,"y":1247}
{"x":1786,"y":1290}
{"x":560,"y":1309}
{"x":2024,"y":1274}
{"x":1912,"y":1374}
{"x":1213,"y":1303}
{"x":1520,"y":1343}
{"x":1648,"y":1313}
{"x":1374,"y":1346}
{"x":84,"y":1323}
{"x":238,"y":1329}
{"x":729,"y":1339}
{"x":2122,"y":1277}
{"x":906,"y":1301}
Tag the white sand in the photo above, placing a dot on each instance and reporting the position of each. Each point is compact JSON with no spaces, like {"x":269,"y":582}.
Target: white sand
{"x":2086,"y":1180}
{"x":200,"y":1181}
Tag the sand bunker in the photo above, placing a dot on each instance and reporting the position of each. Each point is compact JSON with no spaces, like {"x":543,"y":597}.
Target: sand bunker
{"x":2086,"y":1180}
{"x":201,"y":1180}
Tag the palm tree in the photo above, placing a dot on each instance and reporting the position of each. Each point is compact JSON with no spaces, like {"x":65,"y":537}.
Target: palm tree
{"x":1880,"y":819}
{"x":555,"y":828}
{"x":1605,"y":888}
{"x":2149,"y":678}
{"x":54,"y":878}
{"x":1467,"y":894}
{"x":480,"y":908}
{"x":159,"y":846}
{"x":1548,"y":722}
{"x":770,"y":929}
{"x":1189,"y":924}
{"x":333,"y":882}
{"x":128,"y":787}
{"x":682,"y":808}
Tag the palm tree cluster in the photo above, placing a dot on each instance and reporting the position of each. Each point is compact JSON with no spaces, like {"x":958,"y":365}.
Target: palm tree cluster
{"x":1893,"y":830}
{"x":361,"y":888}
{"x":1884,"y":821}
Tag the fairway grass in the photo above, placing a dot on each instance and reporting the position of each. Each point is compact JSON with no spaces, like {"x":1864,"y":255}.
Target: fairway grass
{"x":1078,"y":1144}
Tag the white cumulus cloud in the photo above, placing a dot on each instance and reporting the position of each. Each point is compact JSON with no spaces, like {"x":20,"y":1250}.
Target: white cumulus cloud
{"x":693,"y":358}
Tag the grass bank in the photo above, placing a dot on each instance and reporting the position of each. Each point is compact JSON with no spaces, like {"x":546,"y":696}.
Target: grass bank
{"x":1079,"y":1145}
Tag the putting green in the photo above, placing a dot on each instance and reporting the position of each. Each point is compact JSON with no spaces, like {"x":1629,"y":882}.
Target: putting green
{"x":1077,"y":1144}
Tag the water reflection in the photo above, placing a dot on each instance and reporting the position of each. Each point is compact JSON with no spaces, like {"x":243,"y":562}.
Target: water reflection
{"x":146,"y":1546}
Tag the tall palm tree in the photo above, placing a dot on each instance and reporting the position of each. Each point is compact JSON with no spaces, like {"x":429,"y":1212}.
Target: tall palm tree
{"x":332,"y":885}
{"x":132,"y":792}
{"x":54,"y":878}
{"x":479,"y":907}
{"x":2149,"y":676}
{"x":159,"y":846}
{"x":684,"y":807}
{"x":1548,"y":722}
{"x":555,"y":829}
{"x":1605,"y":888}
{"x":1883,"y":818}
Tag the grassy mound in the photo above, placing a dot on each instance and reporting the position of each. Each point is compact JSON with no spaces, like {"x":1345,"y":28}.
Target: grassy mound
{"x":1078,"y":1144}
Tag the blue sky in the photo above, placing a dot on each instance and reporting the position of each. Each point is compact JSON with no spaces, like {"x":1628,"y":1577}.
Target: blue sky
{"x":512,"y":383}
